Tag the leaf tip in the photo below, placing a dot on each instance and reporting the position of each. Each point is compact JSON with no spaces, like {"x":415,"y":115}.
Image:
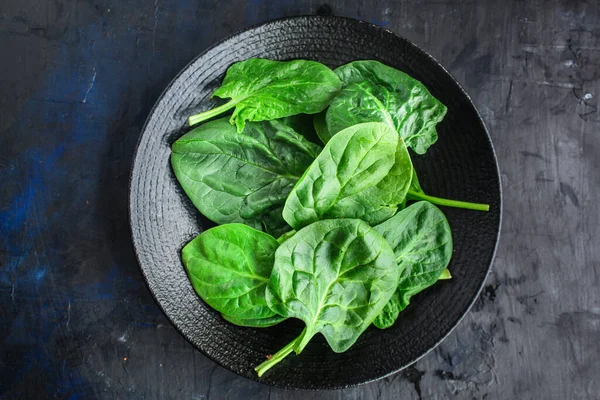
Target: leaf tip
{"x":445,"y":274}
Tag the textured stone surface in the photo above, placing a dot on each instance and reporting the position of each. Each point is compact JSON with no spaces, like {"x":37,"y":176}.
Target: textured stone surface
{"x":76,"y":319}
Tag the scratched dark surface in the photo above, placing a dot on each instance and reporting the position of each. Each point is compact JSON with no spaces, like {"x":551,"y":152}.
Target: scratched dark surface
{"x":77,"y":80}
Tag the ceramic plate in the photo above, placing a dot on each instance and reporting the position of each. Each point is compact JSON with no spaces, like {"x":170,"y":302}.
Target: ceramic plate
{"x":461,"y":165}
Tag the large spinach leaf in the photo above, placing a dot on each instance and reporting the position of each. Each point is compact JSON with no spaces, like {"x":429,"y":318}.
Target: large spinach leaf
{"x":415,"y":192}
{"x":363,"y":172}
{"x":262,"y":90}
{"x":242,"y":177}
{"x":336,"y":276}
{"x":375,"y":92}
{"x":229,"y":267}
{"x":422,"y":241}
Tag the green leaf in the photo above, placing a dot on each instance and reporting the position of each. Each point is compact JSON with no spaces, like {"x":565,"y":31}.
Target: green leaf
{"x":242,"y":177}
{"x":336,"y":276}
{"x":255,"y":323}
{"x":363,"y":172}
{"x":262,"y":90}
{"x":229,"y":267}
{"x":375,"y":92}
{"x":320,"y":125}
{"x":303,"y":124}
{"x":415,"y":185}
{"x":422,"y":241}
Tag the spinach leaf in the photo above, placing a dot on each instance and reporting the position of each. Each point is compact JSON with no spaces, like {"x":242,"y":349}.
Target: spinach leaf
{"x":320,"y":125}
{"x":422,"y":241}
{"x":415,"y":185}
{"x":336,"y":276}
{"x":229,"y":267}
{"x":303,"y":124}
{"x":375,"y":92}
{"x":256,"y":322}
{"x":262,"y":90}
{"x":415,"y":192}
{"x":242,"y":177}
{"x":363,"y":172}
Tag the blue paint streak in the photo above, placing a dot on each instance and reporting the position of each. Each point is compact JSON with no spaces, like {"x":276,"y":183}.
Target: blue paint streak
{"x":15,"y":215}
{"x":21,"y":222}
{"x":40,"y":273}
{"x":380,"y":22}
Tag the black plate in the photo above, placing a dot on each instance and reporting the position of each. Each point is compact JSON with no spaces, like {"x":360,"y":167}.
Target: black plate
{"x":461,"y":165}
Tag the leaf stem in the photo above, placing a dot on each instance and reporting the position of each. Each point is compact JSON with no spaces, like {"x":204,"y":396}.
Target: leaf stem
{"x":447,"y":202}
{"x":278,"y":357}
{"x":194,"y":119}
{"x":445,"y":274}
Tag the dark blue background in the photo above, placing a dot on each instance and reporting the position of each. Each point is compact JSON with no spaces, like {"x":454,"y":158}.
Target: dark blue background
{"x":77,"y":80}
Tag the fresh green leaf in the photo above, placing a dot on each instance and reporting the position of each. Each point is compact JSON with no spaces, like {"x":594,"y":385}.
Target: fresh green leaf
{"x":363,"y":172}
{"x":320,"y":125}
{"x":255,"y":323}
{"x":375,"y":92}
{"x":262,"y":90}
{"x":415,"y":185}
{"x":229,"y":267}
{"x":336,"y":276}
{"x":303,"y":124}
{"x":415,"y":192}
{"x":242,"y":177}
{"x":422,"y":241}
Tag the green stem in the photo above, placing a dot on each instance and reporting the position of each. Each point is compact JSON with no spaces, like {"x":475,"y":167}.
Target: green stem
{"x":194,"y":119}
{"x":286,"y":236}
{"x":447,"y":202}
{"x":303,"y":340}
{"x":279,"y":356}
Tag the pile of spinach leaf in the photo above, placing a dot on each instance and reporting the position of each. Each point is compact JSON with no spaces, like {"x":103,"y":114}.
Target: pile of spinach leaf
{"x":324,"y":233}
